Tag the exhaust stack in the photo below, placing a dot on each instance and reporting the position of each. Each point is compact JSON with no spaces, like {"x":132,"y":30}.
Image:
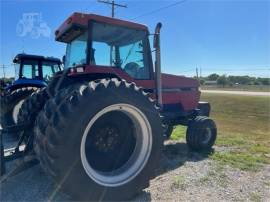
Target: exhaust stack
{"x":158,"y":64}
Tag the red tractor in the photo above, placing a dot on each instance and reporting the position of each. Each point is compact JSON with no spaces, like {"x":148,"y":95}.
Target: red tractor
{"x":99,"y":126}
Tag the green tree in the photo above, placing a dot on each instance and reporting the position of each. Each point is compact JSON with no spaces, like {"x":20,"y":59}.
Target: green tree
{"x":213,"y":77}
{"x":222,"y":80}
{"x":202,"y":81}
{"x":263,"y":81}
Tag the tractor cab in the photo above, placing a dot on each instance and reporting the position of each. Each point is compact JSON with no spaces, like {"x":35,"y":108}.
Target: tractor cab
{"x":102,"y":43}
{"x":34,"y":70}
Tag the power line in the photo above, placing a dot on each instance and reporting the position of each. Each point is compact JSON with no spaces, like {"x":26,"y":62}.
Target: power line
{"x":113,"y":5}
{"x":159,"y":9}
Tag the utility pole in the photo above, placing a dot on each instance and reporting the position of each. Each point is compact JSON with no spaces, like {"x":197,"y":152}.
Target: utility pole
{"x":4,"y":72}
{"x":113,"y":4}
{"x":197,"y":74}
{"x":200,"y":72}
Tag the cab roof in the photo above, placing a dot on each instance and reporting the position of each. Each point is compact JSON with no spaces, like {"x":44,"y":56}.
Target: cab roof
{"x":78,"y":22}
{"x":22,"y":56}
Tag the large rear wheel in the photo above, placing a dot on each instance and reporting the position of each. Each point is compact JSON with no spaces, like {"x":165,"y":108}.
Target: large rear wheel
{"x":101,"y":141}
{"x":28,"y":112}
{"x":11,"y":104}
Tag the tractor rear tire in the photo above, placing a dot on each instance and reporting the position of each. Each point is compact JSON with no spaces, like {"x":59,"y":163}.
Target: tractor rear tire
{"x":11,"y":103}
{"x":120,"y":156}
{"x":201,"y":134}
{"x":29,"y":110}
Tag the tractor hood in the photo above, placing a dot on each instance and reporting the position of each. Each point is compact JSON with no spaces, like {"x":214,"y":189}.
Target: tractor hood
{"x":173,"y":81}
{"x":180,"y":90}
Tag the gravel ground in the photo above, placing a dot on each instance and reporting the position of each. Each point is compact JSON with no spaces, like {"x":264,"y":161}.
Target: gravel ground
{"x":182,"y":176}
{"x":192,"y":177}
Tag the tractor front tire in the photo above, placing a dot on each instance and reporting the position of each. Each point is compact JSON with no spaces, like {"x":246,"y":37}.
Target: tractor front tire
{"x":201,"y":133}
{"x":102,"y":141}
{"x":11,"y":103}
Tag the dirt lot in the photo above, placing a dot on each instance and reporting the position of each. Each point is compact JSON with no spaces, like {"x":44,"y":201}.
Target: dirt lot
{"x":183,"y":175}
{"x":194,"y":177}
{"x":238,"y":169}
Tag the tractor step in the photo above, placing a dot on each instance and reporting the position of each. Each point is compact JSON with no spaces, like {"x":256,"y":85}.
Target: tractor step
{"x":10,"y":154}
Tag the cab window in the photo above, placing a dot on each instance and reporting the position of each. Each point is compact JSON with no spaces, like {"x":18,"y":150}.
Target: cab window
{"x":120,"y":47}
{"x":30,"y":69}
{"x":49,"y":69}
{"x":76,"y":52}
{"x":132,"y":59}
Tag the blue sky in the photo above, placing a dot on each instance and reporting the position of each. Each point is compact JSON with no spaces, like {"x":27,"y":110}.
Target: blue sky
{"x":227,"y":37}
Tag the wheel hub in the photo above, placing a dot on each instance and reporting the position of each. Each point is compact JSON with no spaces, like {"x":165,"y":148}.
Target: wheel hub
{"x":107,"y":139}
{"x":116,"y":145}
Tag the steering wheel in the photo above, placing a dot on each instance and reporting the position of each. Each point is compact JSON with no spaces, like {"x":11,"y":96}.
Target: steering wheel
{"x":132,"y":69}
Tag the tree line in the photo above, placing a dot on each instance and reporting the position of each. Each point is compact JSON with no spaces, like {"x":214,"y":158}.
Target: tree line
{"x":222,"y":80}
{"x":225,"y":80}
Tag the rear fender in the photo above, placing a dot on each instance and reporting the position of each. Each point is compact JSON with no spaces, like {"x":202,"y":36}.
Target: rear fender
{"x":65,"y":79}
{"x":23,"y":83}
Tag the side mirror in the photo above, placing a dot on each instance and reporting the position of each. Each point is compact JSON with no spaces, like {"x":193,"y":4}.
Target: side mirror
{"x":156,"y":35}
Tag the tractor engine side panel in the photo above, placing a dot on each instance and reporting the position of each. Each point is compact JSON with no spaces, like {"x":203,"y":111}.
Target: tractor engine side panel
{"x":181,"y":90}
{"x":187,"y":100}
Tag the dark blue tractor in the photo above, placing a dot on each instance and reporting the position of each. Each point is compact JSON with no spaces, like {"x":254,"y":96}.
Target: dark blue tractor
{"x":32,"y":72}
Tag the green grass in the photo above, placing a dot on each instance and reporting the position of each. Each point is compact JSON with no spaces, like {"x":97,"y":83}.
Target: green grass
{"x":267,"y":183}
{"x":256,"y":88}
{"x":217,"y":174}
{"x":243,"y":124}
{"x":231,"y":141}
{"x":178,"y":182}
{"x":179,"y":133}
{"x":255,"y":197}
{"x":241,"y":160}
{"x":204,"y":179}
